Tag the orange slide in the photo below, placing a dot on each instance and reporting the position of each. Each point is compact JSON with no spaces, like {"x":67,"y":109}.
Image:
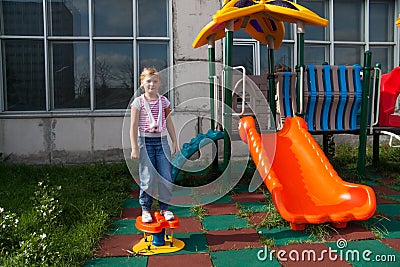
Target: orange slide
{"x":303,"y":184}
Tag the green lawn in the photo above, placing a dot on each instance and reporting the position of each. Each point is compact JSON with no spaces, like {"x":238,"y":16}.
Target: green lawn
{"x":62,"y":212}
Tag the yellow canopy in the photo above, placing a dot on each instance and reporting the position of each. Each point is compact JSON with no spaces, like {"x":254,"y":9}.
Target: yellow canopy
{"x":398,"y":21}
{"x":259,"y":19}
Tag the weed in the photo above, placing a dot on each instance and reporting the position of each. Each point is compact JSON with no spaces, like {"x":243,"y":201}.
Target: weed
{"x":321,"y":231}
{"x":377,"y":228}
{"x":269,"y":242}
{"x":199,"y":211}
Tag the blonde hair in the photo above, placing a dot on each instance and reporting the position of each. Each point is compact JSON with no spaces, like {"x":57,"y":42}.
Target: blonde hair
{"x":148,"y":72}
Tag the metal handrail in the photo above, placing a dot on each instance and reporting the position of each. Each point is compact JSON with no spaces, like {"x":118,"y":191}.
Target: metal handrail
{"x":392,"y":135}
{"x":375,"y":112}
{"x":243,"y":91}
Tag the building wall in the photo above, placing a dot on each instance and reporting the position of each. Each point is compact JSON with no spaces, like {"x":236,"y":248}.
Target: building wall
{"x":79,"y":139}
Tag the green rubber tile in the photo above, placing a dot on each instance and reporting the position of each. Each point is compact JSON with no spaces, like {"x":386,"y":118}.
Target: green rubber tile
{"x":284,"y":235}
{"x":181,"y":211}
{"x":223,"y":222}
{"x":123,"y":227}
{"x":243,"y":257}
{"x":254,"y":206}
{"x":117,"y":262}
{"x":369,"y":182}
{"x":366,"y":253}
{"x":194,"y":243}
{"x":131,"y":203}
{"x":389,"y":209}
{"x":213,"y":199}
{"x":391,"y":225}
{"x":135,"y":186}
{"x":182,"y":192}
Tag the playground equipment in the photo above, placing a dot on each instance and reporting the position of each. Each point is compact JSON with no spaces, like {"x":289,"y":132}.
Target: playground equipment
{"x":297,"y":190}
{"x":156,"y":240}
{"x":323,"y":95}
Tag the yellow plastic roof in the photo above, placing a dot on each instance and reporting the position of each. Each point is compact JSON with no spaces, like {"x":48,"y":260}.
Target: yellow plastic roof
{"x":258,"y":18}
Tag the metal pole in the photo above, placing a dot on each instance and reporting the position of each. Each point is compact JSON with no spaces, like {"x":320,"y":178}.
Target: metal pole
{"x":271,"y":81}
{"x":211,"y":72}
{"x":227,"y":120}
{"x":300,"y":63}
{"x":364,"y":114}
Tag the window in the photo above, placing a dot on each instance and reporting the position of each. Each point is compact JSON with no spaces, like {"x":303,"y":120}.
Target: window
{"x":79,"y":55}
{"x":70,"y":74}
{"x":355,"y":26}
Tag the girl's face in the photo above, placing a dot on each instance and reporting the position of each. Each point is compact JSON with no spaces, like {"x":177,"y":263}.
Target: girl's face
{"x":151,"y":84}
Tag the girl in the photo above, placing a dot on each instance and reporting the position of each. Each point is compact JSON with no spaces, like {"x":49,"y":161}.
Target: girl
{"x":150,"y":122}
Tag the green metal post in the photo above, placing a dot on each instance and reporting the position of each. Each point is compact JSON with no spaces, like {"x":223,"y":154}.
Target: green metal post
{"x":211,"y":74}
{"x":271,"y":81}
{"x":364,"y":114}
{"x":227,"y":120}
{"x":300,"y":63}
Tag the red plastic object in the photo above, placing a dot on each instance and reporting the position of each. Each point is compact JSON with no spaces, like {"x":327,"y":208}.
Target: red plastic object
{"x":158,"y":224}
{"x":303,"y":184}
{"x":390,"y":90}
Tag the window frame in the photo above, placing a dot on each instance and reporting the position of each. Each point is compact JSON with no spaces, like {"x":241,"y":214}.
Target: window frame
{"x":330,"y":42}
{"x":91,"y":110}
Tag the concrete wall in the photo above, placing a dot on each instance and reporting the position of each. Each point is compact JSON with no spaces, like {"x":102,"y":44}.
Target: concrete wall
{"x":91,"y":139}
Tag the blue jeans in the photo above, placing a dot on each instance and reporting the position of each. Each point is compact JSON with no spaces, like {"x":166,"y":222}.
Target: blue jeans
{"x":155,"y":162}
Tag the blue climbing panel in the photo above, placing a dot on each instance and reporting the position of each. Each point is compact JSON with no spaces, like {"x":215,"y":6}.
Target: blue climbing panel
{"x":192,"y":147}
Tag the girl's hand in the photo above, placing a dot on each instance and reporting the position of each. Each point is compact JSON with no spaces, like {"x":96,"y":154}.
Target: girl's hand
{"x":174,"y":148}
{"x":135,"y":153}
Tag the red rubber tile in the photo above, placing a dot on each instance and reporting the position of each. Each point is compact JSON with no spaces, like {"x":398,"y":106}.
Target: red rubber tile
{"x":130,"y":213}
{"x":380,"y":189}
{"x":188,"y":225}
{"x":233,"y":239}
{"x":221,"y":209}
{"x":380,"y":200}
{"x":316,"y":254}
{"x":249,"y":197}
{"x":192,"y":260}
{"x":352,"y":232}
{"x":392,"y":242}
{"x":135,"y":193}
{"x":117,"y":245}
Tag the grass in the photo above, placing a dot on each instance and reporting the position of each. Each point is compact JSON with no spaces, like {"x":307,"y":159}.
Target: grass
{"x":89,"y":198}
{"x":92,"y":195}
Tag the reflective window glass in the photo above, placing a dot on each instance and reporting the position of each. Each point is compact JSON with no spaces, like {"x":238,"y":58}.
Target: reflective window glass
{"x":348,"y":20}
{"x":68,"y":17}
{"x":112,"y":19}
{"x":24,"y":17}
{"x":348,"y":54}
{"x":242,"y":34}
{"x":320,"y":7}
{"x":152,"y":18}
{"x":70,"y":74}
{"x":155,"y":54}
{"x":380,"y":28}
{"x":24,"y":75}
{"x":283,"y":58}
{"x":113,"y":74}
{"x":315,"y":54}
{"x":243,"y":57}
{"x":384,"y":56}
